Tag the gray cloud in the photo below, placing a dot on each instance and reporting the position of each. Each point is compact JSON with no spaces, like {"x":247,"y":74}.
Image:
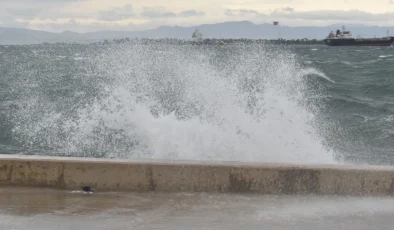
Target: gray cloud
{"x":73,"y":25}
{"x":288,"y":9}
{"x":191,"y":13}
{"x":352,"y":15}
{"x":117,"y":13}
{"x":10,"y":21}
{"x":38,"y":9}
{"x":334,"y":15}
{"x":161,"y":12}
{"x":28,"y":13}
{"x":156,"y":12}
{"x":242,"y":12}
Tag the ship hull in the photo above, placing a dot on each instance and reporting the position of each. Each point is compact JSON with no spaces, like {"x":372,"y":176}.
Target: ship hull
{"x":360,"y":42}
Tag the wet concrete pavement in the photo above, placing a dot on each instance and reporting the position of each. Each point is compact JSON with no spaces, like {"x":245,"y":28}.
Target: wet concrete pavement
{"x":39,"y":209}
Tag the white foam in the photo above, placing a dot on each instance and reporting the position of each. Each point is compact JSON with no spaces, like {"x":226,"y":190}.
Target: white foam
{"x":177,"y":105}
{"x":79,"y":58}
{"x":346,"y":63}
{"x":310,"y":71}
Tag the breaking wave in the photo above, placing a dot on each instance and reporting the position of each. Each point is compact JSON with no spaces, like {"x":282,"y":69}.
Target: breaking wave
{"x":233,"y":103}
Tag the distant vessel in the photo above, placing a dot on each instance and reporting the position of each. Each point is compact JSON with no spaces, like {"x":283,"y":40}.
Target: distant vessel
{"x":344,"y":38}
{"x":197,"y":36}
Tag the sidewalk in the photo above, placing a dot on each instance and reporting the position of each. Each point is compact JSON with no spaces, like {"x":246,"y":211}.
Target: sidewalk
{"x":41,"y":209}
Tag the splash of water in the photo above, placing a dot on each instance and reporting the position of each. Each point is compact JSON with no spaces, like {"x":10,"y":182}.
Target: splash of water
{"x":239,"y":103}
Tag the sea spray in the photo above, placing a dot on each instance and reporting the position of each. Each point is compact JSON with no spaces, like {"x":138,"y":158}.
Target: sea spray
{"x":235,"y":102}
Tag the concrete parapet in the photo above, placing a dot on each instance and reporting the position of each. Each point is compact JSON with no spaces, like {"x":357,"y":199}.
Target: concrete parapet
{"x":189,"y":176}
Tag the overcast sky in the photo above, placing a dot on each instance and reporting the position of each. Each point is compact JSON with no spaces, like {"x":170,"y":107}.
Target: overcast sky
{"x":93,"y":15}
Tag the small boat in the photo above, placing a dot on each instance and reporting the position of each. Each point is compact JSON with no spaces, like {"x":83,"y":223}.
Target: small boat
{"x":344,"y":38}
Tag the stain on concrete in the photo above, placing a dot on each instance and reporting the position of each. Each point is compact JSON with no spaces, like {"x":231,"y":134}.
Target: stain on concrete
{"x":391,"y":189}
{"x":60,"y":179}
{"x":140,"y":187}
{"x":362,"y":184}
{"x":4,"y":168}
{"x":299,"y":181}
{"x":5,"y":174}
{"x":239,"y":184}
{"x":10,"y":172}
{"x":152,"y":184}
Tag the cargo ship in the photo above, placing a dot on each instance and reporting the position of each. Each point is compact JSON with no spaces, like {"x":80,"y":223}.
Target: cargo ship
{"x":344,"y":38}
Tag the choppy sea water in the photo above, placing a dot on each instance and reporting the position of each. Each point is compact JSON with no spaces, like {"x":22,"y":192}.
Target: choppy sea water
{"x":238,"y":102}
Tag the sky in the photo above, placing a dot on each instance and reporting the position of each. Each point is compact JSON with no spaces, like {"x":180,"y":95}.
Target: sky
{"x":95,"y":15}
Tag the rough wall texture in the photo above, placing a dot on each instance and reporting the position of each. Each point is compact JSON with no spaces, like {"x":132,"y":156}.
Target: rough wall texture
{"x":107,"y":175}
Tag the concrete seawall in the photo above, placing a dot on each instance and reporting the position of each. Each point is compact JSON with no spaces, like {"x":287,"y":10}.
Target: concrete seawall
{"x":188,"y":176}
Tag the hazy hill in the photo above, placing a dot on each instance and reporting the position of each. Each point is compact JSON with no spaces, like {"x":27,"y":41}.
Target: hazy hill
{"x":241,"y":29}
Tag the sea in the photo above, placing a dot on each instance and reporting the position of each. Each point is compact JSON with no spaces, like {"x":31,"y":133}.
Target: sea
{"x":252,"y":102}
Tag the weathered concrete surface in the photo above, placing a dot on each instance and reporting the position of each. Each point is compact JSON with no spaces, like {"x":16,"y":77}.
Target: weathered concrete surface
{"x":41,"y":209}
{"x":162,"y":176}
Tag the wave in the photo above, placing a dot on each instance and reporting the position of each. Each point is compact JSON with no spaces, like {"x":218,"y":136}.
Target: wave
{"x":186,"y":103}
{"x":315,"y":72}
{"x":384,"y":56}
{"x":355,"y":103}
{"x":354,"y":64}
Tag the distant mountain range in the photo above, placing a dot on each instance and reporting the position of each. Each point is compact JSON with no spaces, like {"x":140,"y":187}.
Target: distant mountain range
{"x":240,"y":29}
